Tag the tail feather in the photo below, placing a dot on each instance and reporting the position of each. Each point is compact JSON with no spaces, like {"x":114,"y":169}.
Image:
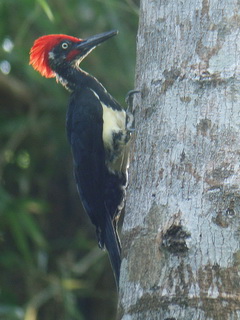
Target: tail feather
{"x":112,"y":245}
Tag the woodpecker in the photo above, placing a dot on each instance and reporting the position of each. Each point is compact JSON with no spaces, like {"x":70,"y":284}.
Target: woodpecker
{"x":98,"y":131}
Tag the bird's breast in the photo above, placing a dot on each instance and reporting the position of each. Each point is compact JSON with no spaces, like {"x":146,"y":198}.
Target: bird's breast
{"x":114,"y":139}
{"x":114,"y":122}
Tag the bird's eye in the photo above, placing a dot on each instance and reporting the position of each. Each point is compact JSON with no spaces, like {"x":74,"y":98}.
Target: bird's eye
{"x":64,"y":45}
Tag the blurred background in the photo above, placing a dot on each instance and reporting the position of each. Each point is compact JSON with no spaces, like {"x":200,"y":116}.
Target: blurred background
{"x":50,"y":265}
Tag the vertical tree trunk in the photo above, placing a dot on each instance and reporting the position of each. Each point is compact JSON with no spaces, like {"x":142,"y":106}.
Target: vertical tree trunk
{"x":181,"y":233}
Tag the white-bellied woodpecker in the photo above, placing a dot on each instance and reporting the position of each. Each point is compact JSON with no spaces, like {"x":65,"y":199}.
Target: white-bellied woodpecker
{"x":98,"y":130}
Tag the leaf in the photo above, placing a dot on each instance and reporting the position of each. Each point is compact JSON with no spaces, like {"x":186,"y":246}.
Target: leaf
{"x":46,"y":8}
{"x":8,"y":312}
{"x":19,"y":235}
{"x":31,"y":228}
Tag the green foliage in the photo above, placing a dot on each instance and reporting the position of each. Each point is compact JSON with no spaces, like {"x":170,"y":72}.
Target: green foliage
{"x":50,"y":265}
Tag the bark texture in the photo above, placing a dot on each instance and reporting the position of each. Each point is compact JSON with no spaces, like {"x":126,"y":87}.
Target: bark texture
{"x":181,"y":233}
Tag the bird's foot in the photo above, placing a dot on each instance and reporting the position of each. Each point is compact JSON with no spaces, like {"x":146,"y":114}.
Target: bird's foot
{"x":130,"y":122}
{"x":129,"y":99}
{"x":130,"y":118}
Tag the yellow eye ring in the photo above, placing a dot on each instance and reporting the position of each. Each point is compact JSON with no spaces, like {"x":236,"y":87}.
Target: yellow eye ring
{"x":64,"y":45}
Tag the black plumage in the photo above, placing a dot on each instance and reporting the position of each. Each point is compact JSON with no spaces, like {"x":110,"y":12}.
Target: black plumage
{"x":98,"y":130}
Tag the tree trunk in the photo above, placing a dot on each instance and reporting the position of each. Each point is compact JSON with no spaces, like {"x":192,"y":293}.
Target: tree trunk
{"x":181,"y":248}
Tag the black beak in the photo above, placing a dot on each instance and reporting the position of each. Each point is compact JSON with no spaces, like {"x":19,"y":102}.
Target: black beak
{"x":91,"y":42}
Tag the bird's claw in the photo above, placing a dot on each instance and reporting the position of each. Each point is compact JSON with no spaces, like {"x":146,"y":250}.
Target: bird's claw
{"x":129,"y":98}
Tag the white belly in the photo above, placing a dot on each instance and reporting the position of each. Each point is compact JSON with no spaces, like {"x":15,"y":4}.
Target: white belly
{"x":114,"y":121}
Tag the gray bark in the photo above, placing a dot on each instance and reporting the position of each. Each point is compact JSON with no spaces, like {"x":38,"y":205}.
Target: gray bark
{"x":181,"y":248}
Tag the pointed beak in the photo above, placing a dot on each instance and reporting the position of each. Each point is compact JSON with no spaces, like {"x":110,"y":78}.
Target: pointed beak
{"x":91,"y":42}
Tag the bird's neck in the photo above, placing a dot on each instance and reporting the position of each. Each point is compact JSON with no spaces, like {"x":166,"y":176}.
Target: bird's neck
{"x":75,"y":78}
{"x":72,"y":77}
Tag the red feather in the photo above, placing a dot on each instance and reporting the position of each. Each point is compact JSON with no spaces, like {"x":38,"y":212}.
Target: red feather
{"x":39,"y":53}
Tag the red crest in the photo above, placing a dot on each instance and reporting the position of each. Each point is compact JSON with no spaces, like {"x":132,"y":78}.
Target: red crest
{"x":39,"y":53}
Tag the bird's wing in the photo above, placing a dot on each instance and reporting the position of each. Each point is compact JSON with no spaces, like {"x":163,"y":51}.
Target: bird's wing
{"x":84,"y":128}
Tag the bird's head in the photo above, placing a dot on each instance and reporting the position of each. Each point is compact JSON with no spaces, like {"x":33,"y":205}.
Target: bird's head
{"x":53,"y":52}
